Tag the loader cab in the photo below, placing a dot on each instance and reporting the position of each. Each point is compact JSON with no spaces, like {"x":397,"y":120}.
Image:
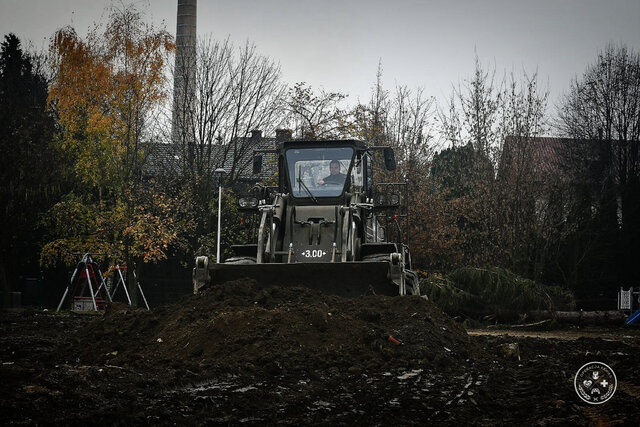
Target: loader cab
{"x":321,"y":173}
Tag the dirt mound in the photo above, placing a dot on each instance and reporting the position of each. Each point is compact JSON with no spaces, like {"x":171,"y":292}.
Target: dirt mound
{"x":240,"y":326}
{"x":223,"y":359}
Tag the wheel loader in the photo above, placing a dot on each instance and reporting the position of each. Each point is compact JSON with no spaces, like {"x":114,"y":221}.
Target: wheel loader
{"x":321,"y":226}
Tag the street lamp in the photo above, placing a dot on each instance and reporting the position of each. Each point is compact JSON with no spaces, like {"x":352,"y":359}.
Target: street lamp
{"x":219,"y":173}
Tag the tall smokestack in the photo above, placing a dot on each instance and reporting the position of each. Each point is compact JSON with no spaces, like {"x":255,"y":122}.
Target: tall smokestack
{"x":184,"y":79}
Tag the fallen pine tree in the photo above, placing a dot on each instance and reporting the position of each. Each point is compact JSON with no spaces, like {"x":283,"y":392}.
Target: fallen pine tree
{"x":495,"y":293}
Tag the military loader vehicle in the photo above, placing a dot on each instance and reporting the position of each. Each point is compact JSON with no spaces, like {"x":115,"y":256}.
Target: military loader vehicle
{"x":321,"y":226}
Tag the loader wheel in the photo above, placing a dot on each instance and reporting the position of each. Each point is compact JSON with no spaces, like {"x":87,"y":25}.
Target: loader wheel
{"x":412,"y":283}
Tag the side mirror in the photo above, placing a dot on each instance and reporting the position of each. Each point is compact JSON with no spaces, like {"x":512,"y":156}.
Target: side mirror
{"x":389,"y":159}
{"x":257,"y":164}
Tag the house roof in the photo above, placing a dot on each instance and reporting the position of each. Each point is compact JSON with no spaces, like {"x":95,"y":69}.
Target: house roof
{"x":169,"y":159}
{"x":546,"y":154}
{"x":544,"y":157}
{"x":562,"y":157}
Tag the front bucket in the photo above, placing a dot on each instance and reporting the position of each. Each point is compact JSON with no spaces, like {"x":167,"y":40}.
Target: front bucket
{"x":349,"y":279}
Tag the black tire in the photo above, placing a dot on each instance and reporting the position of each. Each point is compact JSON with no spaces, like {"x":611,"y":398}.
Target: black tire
{"x":412,"y":283}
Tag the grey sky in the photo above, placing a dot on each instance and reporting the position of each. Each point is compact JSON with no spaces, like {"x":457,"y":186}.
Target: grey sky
{"x":337,"y":44}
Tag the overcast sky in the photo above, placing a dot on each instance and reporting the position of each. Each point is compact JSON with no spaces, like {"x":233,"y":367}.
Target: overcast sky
{"x":336,"y":44}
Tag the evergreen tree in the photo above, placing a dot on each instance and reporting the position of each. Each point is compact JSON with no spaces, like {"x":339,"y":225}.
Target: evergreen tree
{"x":29,"y":168}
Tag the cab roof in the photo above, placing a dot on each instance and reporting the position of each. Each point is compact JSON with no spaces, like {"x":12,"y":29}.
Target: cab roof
{"x":357,"y":144}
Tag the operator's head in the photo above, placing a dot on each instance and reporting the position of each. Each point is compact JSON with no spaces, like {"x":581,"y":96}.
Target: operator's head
{"x":334,"y":167}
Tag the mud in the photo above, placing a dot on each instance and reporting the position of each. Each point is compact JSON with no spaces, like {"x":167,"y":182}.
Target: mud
{"x":245,"y":355}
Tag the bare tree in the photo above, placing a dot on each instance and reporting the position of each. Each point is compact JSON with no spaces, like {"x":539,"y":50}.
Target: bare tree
{"x":524,"y":176}
{"x":402,"y":119}
{"x":236,"y":91}
{"x":601,"y":114}
{"x":473,"y":113}
{"x":316,"y":114}
{"x":500,"y":120}
{"x":464,"y":173}
{"x":370,"y":120}
{"x":604,"y":105}
{"x":409,"y":125}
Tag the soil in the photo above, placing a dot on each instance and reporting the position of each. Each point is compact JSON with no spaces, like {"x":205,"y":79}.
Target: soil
{"x":239,"y":354}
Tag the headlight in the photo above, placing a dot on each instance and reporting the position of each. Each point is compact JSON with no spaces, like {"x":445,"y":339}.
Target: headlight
{"x":248,"y":202}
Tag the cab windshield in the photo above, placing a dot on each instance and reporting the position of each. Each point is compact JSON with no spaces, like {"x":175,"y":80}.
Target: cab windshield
{"x":318,"y":172}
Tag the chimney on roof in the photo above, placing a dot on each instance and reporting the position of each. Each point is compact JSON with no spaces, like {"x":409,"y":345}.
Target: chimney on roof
{"x":256,"y":134}
{"x":283,"y":135}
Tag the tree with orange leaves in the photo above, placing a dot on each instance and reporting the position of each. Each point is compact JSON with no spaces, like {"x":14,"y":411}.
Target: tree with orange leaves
{"x":107,"y":89}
